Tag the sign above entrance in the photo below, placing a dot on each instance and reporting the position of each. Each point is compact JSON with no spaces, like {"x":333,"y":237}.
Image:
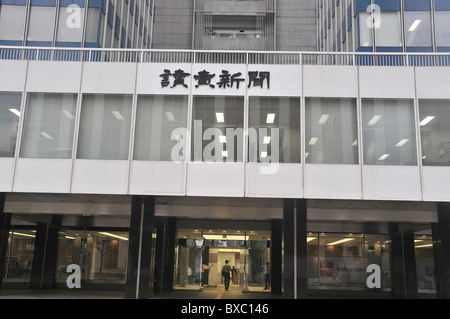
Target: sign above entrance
{"x":225,"y":80}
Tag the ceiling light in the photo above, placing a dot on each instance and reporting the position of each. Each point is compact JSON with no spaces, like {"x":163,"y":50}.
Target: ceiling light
{"x":220,"y":117}
{"x":113,"y":235}
{"x":313,"y":140}
{"x":117,"y":115}
{"x":308,"y":239}
{"x":170,"y":117}
{"x":22,"y":234}
{"x":222,"y":139}
{"x":424,"y":246}
{"x":213,"y":237}
{"x":270,"y":118}
{"x":15,"y":111}
{"x":426,"y":120}
{"x":355,"y":143}
{"x":324,"y":119}
{"x":266,"y":140}
{"x":46,"y":135}
{"x":383,"y":157}
{"x":237,"y":237}
{"x":340,"y":241}
{"x":68,"y":114}
{"x":414,"y":25}
{"x":263,"y":154}
{"x":402,"y":142}
{"x":224,"y":154}
{"x":374,"y":120}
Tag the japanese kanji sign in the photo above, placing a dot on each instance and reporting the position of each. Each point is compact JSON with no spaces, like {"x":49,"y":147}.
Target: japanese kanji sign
{"x":225,"y":80}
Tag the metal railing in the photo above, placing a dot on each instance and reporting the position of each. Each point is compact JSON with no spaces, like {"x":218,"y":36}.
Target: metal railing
{"x":223,"y":57}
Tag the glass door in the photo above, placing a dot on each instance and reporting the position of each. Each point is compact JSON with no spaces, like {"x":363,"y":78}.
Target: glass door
{"x":188,"y":264}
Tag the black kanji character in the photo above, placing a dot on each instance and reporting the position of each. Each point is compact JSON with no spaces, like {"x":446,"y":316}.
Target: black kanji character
{"x":165,"y":78}
{"x":258,"y":81}
{"x":179,"y":76}
{"x":204,"y":78}
{"x":235,"y":79}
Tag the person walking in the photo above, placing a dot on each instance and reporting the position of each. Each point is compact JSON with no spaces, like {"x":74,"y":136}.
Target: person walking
{"x":267,"y":276}
{"x":226,"y":274}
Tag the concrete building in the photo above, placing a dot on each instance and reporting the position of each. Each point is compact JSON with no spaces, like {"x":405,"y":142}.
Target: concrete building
{"x":148,"y":168}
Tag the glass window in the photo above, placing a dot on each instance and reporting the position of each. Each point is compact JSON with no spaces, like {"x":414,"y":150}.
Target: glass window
{"x":101,"y":255}
{"x":425,"y":269}
{"x":105,"y":127}
{"x":388,"y":132}
{"x":342,"y":259}
{"x":435,"y":132}
{"x":274,"y":130}
{"x":9,"y":122}
{"x":442,"y":21}
{"x":92,"y":26}
{"x":218,"y":129}
{"x":161,"y":128}
{"x":418,"y":28}
{"x":12,"y":22}
{"x":389,"y":31}
{"x":365,"y":30}
{"x":331,"y":131}
{"x":41,"y":26}
{"x":19,"y":254}
{"x":70,"y":24}
{"x":49,"y":125}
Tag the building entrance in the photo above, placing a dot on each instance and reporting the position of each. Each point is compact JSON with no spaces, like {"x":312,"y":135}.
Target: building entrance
{"x":201,"y":253}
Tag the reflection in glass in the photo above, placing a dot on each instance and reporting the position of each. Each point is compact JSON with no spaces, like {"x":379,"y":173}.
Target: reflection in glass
{"x":426,"y":281}
{"x":331,"y":131}
{"x":341,"y":259}
{"x":19,"y":254}
{"x":442,"y":29}
{"x":365,"y":30}
{"x":10,"y":113}
{"x":274,"y":130}
{"x":217,"y":129}
{"x":160,"y":125}
{"x":49,"y":125}
{"x":389,"y":32}
{"x":101,"y":255}
{"x":105,"y":127}
{"x":435,"y":132}
{"x":389,"y":132}
{"x":418,"y":28}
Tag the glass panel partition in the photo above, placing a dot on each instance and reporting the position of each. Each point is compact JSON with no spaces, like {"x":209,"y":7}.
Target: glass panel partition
{"x":331,"y":131}
{"x":218,"y":129}
{"x":161,"y":123}
{"x":425,"y":265}
{"x":49,"y":125}
{"x":435,"y":132}
{"x":19,"y":254}
{"x":10,"y":113}
{"x":274,"y":130}
{"x":389,"y":132}
{"x":101,"y":255}
{"x":105,"y":127}
{"x":341,"y":260}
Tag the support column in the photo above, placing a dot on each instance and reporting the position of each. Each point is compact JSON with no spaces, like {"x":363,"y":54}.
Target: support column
{"x":302,"y":263}
{"x":140,"y":247}
{"x":289,"y":247}
{"x":295,"y":254}
{"x":276,"y":257}
{"x":169,"y":254}
{"x":5,"y":225}
{"x":404,"y":277}
{"x":441,"y":240}
{"x":45,"y":254}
